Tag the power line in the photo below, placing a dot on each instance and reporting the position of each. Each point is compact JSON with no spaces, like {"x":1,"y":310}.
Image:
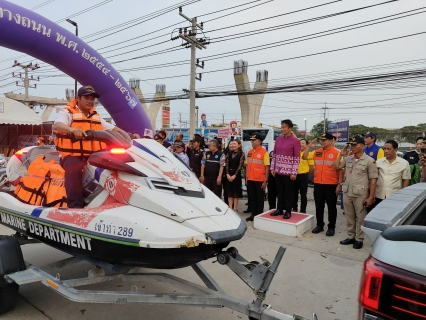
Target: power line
{"x":250,"y":33}
{"x":292,"y":24}
{"x":222,"y":17}
{"x":336,"y":84}
{"x":226,"y":15}
{"x":175,"y":6}
{"x":273,"y":44}
{"x":42,"y":5}
{"x":129,"y":45}
{"x":229,"y":8}
{"x":287,"y":13}
{"x":147,"y":19}
{"x":308,"y":55}
{"x":85,"y":10}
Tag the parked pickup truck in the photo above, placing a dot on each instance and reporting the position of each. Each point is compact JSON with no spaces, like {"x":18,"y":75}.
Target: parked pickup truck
{"x":393,"y":283}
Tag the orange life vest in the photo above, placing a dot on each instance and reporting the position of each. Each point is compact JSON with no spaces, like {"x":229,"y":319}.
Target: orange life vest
{"x":256,"y":170}
{"x":80,"y":148}
{"x":30,"y":188}
{"x":56,"y":195}
{"x":324,"y":171}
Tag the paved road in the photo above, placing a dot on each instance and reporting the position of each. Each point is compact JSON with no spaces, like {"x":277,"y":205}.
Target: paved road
{"x":317,"y":275}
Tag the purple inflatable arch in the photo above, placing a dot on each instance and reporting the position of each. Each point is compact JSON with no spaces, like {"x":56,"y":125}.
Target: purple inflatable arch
{"x":28,"y":32}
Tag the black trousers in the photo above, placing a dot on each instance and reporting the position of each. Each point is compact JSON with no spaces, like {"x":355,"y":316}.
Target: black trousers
{"x":272,"y":192}
{"x":301,"y":185}
{"x":73,"y":180}
{"x":248,"y":195}
{"x":325,"y":193}
{"x":225,"y":187}
{"x":211,"y":184}
{"x":285,"y":190}
{"x":256,"y":198}
{"x":375,"y":203}
{"x":197,"y":172}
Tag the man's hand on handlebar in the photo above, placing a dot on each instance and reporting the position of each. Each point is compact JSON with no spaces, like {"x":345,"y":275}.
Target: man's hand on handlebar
{"x":78,"y":133}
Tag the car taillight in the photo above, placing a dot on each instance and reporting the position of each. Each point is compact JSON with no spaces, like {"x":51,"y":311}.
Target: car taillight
{"x":391,"y":292}
{"x":371,"y":282}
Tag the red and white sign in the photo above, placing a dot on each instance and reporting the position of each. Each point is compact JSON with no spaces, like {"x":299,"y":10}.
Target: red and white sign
{"x":223,"y":133}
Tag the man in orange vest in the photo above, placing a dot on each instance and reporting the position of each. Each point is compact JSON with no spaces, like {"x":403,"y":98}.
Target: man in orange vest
{"x":257,"y":173}
{"x":78,"y":116}
{"x":326,"y":182}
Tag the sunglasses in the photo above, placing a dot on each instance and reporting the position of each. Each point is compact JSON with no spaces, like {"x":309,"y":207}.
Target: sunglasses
{"x":179,"y":146}
{"x":158,"y":139}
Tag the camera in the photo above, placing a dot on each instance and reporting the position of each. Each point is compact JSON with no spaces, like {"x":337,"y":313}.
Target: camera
{"x":423,"y":150}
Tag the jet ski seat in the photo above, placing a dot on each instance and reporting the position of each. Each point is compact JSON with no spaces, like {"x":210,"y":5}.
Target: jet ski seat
{"x":49,"y":153}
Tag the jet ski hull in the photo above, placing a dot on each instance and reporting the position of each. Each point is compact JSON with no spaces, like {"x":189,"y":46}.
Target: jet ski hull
{"x":144,"y":207}
{"x":111,"y":249}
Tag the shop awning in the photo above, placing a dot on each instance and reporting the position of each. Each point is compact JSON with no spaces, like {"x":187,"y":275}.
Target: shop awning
{"x":14,"y":112}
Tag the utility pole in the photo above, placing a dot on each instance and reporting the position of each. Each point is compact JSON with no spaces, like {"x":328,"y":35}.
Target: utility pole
{"x":180,"y":120}
{"x":196,"y":116}
{"x":191,"y":41}
{"x":26,"y":79}
{"x":325,"y":117}
{"x":76,"y":34}
{"x":305,"y":126}
{"x":223,"y":119}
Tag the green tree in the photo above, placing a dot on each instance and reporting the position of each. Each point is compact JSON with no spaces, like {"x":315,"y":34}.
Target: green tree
{"x":318,"y":129}
{"x":296,"y":130}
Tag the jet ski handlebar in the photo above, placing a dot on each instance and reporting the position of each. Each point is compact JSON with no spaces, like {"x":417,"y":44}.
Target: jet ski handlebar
{"x":116,"y":139}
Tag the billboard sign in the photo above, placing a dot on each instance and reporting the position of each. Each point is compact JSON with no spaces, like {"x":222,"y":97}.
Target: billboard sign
{"x":223,"y":133}
{"x":165,"y":115}
{"x":340,"y":130}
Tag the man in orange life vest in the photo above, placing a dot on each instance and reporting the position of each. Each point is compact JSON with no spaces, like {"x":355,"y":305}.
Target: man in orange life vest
{"x":257,"y":173}
{"x":78,"y":116}
{"x":326,"y":182}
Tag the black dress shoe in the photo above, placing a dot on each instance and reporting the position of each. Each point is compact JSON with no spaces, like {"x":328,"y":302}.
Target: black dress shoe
{"x":317,"y":229}
{"x":250,"y":218}
{"x":287,"y":215}
{"x":276,"y":213}
{"x":347,"y":241}
{"x":330,"y":232}
{"x":358,"y":245}
{"x":248,"y":210}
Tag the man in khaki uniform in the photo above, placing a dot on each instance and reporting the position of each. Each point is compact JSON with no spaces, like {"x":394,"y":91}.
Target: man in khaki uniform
{"x":359,"y":188}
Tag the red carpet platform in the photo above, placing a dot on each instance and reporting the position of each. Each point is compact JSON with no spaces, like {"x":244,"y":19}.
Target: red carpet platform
{"x":298,"y":224}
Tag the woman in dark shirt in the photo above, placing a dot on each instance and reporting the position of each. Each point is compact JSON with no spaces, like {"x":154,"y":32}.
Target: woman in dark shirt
{"x":234,"y":163}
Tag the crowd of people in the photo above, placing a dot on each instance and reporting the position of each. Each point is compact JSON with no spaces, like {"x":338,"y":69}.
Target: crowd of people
{"x":362,"y":173}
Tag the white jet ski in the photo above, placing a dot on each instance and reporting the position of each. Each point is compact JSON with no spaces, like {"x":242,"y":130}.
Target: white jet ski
{"x":144,"y":207}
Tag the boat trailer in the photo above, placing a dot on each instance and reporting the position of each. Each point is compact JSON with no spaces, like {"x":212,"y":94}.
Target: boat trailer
{"x":257,"y":275}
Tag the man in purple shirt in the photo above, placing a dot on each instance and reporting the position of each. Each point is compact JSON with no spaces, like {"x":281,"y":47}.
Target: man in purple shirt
{"x":284,"y":165}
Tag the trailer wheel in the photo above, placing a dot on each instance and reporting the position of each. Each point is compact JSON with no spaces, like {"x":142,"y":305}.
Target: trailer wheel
{"x":11,"y":260}
{"x":232,"y":252}
{"x":223,"y":257}
{"x":8,"y":297}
